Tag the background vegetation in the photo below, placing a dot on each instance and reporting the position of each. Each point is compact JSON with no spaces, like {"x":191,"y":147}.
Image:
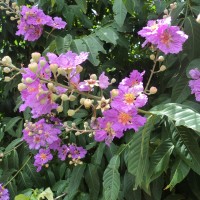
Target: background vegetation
{"x":162,"y":160}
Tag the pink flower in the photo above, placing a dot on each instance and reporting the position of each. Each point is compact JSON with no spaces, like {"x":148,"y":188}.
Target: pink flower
{"x":62,"y":152}
{"x":167,"y":38}
{"x":40,"y":134}
{"x":77,"y":152}
{"x":42,"y":158}
{"x":129,"y":98}
{"x":103,"y":81}
{"x":4,"y":195}
{"x":57,"y":23}
{"x":170,"y":39}
{"x":195,"y":84}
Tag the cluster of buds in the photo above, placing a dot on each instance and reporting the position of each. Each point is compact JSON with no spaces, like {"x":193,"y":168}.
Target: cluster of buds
{"x":167,"y":12}
{"x":13,"y":11}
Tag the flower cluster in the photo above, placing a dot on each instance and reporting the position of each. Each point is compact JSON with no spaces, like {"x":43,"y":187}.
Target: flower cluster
{"x":123,"y":114}
{"x":38,"y":95}
{"x":44,"y":137}
{"x":164,"y":36}
{"x":195,"y":83}
{"x":4,"y":195}
{"x":32,"y":21}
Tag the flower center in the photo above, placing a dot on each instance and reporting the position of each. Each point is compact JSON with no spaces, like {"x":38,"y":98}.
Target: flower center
{"x":109,"y":129}
{"x":43,"y":156}
{"x":124,"y":118}
{"x":154,"y":27}
{"x":166,"y":38}
{"x":129,"y":98}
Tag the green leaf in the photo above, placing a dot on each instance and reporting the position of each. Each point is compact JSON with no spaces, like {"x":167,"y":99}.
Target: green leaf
{"x":111,"y":179}
{"x":48,"y":194}
{"x":22,"y":197}
{"x":192,"y":28}
{"x":24,"y":180}
{"x":13,"y":144}
{"x":13,"y":160}
{"x":12,"y":123}
{"x":181,"y":90}
{"x":81,"y":113}
{"x":82,"y":4}
{"x":176,"y":12}
{"x":179,"y":171}
{"x":138,"y":152}
{"x":107,"y":34}
{"x":159,"y":160}
{"x":94,"y":46}
{"x":120,"y":12}
{"x":75,"y":181}
{"x":179,"y":113}
{"x":92,"y":180}
{"x":186,"y":146}
{"x":78,"y":46}
{"x":130,"y":6}
{"x":63,"y":44}
{"x":192,"y":65}
{"x":97,"y":157}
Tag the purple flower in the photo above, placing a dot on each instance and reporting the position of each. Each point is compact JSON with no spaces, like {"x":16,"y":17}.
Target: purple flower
{"x":170,"y":39}
{"x":32,"y":22}
{"x":129,"y":98}
{"x":42,"y":158}
{"x":105,"y":131}
{"x":77,"y":152}
{"x":40,"y":134}
{"x":103,"y":81}
{"x":57,"y":23}
{"x":195,"y":84}
{"x":134,"y":79}
{"x":167,"y":38}
{"x":195,"y":73}
{"x":62,"y":152}
{"x":4,"y":195}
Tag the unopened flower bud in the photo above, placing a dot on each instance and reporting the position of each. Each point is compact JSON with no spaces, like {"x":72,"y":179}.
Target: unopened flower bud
{"x":42,"y":63}
{"x":14,"y":4}
{"x":33,"y":67}
{"x":93,"y":76}
{"x":1,"y":155}
{"x":61,"y":71}
{"x":64,"y":97}
{"x":163,"y":68}
{"x":6,"y":69}
{"x":153,"y":90}
{"x":59,"y":109}
{"x":2,"y":8}
{"x":152,"y":57}
{"x":113,"y":80}
{"x":73,"y":125}
{"x":6,"y":60}
{"x":82,"y":101}
{"x":36,"y":56}
{"x":114,"y":92}
{"x":78,"y":133}
{"x":161,"y":58}
{"x":166,"y":12}
{"x":198,"y":19}
{"x":53,"y":68}
{"x":87,"y":103}
{"x":12,"y":18}
{"x":7,"y":12}
{"x":173,"y":6}
{"x":21,"y":86}
{"x":71,"y":112}
{"x":54,"y":97}
{"x":29,"y":80}
{"x":72,"y":97}
{"x":50,"y":86}
{"x":7,"y":79}
{"x":79,"y":69}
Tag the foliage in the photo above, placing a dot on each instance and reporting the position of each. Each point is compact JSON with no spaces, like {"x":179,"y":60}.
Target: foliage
{"x":161,"y":160}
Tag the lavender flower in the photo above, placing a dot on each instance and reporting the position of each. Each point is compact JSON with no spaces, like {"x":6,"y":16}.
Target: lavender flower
{"x":4,"y":195}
